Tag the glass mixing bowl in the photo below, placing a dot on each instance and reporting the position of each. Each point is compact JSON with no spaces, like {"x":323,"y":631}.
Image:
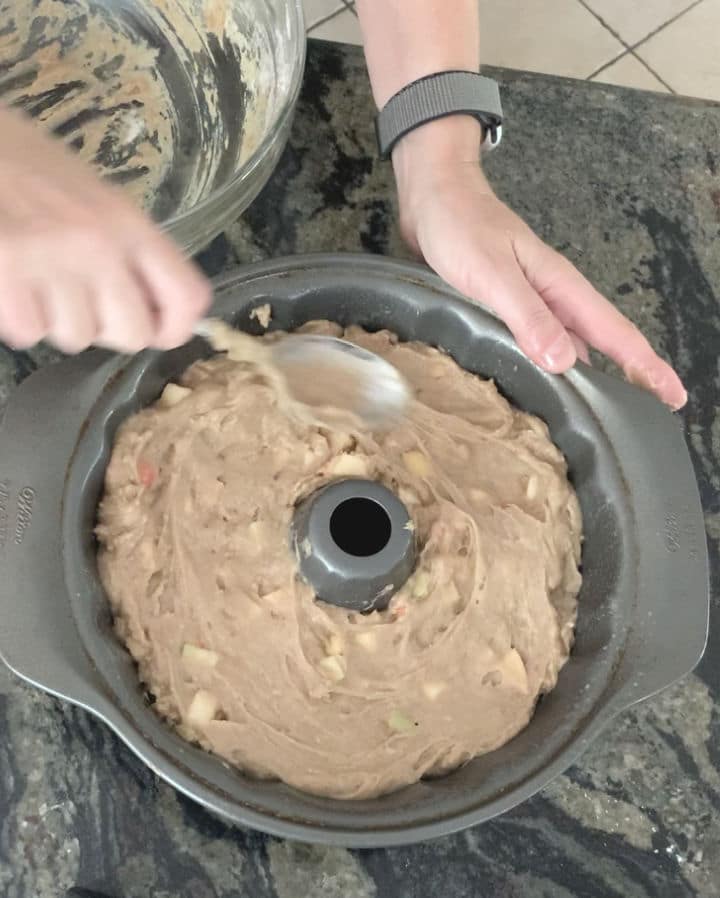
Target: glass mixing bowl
{"x":185,"y":104}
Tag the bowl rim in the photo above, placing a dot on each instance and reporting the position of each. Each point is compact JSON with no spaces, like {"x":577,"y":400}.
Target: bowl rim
{"x":281,"y":120}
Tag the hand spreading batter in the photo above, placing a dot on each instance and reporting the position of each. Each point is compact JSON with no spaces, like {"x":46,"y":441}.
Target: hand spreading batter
{"x":238,"y":652}
{"x":80,"y":264}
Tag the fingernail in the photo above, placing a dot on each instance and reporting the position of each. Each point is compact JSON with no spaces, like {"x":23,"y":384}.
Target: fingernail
{"x":680,"y":403}
{"x":643,"y":377}
{"x":661,"y":383}
{"x":560,"y":355}
{"x":678,"y":406}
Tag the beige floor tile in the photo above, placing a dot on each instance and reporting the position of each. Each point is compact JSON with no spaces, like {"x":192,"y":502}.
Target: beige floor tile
{"x":633,"y":20}
{"x":343,"y":27}
{"x":315,"y":10}
{"x":630,"y":72}
{"x":686,"y":54}
{"x":559,"y":37}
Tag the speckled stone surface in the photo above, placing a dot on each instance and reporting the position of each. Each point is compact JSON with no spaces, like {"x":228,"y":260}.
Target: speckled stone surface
{"x":631,"y":192}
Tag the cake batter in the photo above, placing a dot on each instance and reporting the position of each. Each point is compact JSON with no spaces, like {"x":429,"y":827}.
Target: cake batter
{"x":233,"y":645}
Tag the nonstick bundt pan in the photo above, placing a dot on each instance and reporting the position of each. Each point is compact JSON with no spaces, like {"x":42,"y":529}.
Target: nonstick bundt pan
{"x":643,"y":609}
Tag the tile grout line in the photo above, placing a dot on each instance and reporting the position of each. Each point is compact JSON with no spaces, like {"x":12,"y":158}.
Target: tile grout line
{"x":342,"y":8}
{"x":647,"y":37}
{"x":639,"y":59}
{"x":630,"y":48}
{"x":610,"y":62}
{"x":606,"y":26}
{"x":652,"y":71}
{"x":664,"y":25}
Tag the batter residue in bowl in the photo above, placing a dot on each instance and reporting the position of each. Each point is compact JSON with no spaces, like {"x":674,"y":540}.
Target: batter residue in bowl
{"x":165,"y":98}
{"x":239,"y":654}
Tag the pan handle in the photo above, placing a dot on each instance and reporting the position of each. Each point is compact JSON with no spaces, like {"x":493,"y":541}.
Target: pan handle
{"x":670,"y":625}
{"x":41,"y":426}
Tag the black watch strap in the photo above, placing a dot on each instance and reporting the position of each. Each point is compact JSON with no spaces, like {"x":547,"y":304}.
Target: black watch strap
{"x":436,"y":96}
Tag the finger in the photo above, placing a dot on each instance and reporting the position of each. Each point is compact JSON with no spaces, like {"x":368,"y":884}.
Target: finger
{"x":179,"y":292}
{"x":656,"y":376}
{"x":22,"y":318}
{"x":585,"y":311}
{"x":125,"y":312}
{"x":581,"y":347}
{"x":70,"y":311}
{"x":537,"y":331}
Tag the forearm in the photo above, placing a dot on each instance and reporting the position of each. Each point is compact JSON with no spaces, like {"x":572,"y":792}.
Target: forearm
{"x":451,"y":218}
{"x":405,"y":40}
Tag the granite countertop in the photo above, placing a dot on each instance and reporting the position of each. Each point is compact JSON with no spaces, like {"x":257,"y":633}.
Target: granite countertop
{"x":629,"y":189}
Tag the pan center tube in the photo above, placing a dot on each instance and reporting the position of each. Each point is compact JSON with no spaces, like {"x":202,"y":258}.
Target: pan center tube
{"x":355,"y":544}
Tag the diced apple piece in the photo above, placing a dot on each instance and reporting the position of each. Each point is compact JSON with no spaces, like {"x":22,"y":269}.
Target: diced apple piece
{"x":398,"y":722}
{"x":274,"y":595}
{"x":173,"y":393}
{"x":333,"y":667}
{"x":433,"y":689}
{"x":339,"y":441}
{"x":451,"y":596}
{"x":147,"y":473}
{"x":262,"y":314}
{"x":334,"y":644}
{"x":240,"y":347}
{"x":417,"y":463}
{"x":347,"y":465}
{"x":367,"y":640}
{"x":408,"y":497}
{"x":399,"y":610}
{"x":513,"y":671}
{"x":203,"y":708}
{"x":305,"y":548}
{"x":421,"y":585}
{"x":195,"y":654}
{"x":532,"y":487}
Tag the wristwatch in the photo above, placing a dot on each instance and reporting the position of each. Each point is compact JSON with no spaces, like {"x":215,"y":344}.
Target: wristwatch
{"x":437,"y":96}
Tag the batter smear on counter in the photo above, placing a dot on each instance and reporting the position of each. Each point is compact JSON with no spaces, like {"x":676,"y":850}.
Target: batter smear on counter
{"x":240,"y":655}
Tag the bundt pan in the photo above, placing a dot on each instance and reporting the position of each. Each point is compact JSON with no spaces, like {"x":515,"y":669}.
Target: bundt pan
{"x":643,"y":609}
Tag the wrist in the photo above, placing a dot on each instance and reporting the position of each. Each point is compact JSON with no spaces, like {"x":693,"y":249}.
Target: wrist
{"x":436,"y":151}
{"x":452,"y":138}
